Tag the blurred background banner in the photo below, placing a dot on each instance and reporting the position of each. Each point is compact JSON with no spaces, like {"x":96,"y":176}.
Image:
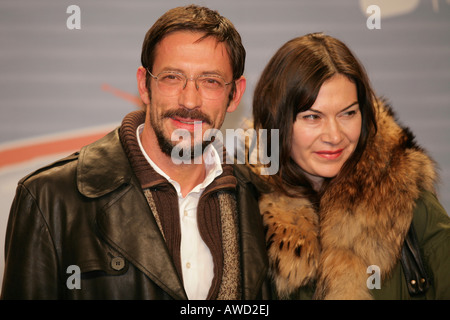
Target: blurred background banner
{"x":68,"y":68}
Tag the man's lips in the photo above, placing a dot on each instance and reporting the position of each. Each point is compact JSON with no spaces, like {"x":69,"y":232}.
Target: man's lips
{"x":184,"y":117}
{"x":186,"y":123}
{"x":329,"y":154}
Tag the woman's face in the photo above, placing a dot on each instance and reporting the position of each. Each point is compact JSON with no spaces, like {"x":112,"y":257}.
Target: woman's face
{"x":327,"y":134}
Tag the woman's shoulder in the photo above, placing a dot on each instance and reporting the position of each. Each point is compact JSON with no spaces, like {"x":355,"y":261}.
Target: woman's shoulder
{"x":432,"y":225}
{"x":431,"y":221}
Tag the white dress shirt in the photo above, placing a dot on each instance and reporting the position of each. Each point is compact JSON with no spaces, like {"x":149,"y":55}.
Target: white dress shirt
{"x":196,"y":259}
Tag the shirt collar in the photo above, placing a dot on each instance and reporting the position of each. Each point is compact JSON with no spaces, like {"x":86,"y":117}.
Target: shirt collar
{"x":211,"y":160}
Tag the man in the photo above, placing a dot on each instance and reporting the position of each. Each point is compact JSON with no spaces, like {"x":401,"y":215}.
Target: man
{"x":122,"y":219}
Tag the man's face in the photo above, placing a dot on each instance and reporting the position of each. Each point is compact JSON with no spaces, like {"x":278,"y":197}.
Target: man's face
{"x":180,"y":52}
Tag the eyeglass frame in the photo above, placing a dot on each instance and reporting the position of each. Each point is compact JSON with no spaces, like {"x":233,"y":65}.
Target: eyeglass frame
{"x":189,"y":79}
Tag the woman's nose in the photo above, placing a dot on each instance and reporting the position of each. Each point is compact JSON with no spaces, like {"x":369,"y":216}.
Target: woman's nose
{"x":332,"y":133}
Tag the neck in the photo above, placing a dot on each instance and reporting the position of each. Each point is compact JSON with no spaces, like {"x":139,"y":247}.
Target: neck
{"x":187,"y":175}
{"x":316,"y":181}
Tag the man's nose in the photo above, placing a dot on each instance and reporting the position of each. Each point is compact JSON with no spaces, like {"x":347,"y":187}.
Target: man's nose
{"x":190,"y":96}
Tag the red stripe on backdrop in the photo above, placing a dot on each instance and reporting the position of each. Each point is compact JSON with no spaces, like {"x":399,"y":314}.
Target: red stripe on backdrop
{"x":16,"y":155}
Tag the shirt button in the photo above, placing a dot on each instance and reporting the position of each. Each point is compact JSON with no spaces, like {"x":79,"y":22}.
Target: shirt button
{"x":185,"y":213}
{"x":188,"y":265}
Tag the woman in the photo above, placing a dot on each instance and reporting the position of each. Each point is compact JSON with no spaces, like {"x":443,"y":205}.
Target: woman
{"x":354,"y":190}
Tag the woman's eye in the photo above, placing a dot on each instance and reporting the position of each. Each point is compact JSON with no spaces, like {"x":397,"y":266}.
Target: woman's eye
{"x":349,"y":113}
{"x":311,"y":117}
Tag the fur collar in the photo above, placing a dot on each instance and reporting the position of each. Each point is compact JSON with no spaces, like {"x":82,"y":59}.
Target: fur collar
{"x":362,"y":221}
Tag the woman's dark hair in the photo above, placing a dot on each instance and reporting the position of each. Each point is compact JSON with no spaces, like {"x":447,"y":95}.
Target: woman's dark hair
{"x":290,"y":84}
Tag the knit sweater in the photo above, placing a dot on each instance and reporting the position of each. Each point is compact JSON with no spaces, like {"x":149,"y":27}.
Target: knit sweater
{"x":163,"y":201}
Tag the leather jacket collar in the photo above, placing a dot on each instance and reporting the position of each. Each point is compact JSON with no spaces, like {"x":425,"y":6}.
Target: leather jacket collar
{"x":94,"y":178}
{"x":124,"y":208}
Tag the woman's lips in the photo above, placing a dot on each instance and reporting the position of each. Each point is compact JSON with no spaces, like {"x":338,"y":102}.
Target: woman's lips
{"x":328,"y":154}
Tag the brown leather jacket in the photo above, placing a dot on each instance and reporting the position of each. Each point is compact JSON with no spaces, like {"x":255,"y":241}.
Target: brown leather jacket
{"x":88,"y":210}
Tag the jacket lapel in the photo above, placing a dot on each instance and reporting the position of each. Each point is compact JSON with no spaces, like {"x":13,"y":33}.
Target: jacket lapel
{"x":253,"y":250}
{"x":144,"y":247}
{"x":126,"y":221}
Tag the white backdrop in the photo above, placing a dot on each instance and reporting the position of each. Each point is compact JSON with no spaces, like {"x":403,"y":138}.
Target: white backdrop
{"x":61,"y":88}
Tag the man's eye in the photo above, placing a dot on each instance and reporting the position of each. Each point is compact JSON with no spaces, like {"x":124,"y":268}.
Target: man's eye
{"x":212,"y":83}
{"x":170,"y":77}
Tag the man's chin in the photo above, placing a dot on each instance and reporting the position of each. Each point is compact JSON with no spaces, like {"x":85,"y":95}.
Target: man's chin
{"x":182,"y":150}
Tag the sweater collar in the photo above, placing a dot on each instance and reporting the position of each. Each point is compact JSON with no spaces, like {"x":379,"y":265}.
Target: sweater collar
{"x":146,"y":174}
{"x":213,"y":167}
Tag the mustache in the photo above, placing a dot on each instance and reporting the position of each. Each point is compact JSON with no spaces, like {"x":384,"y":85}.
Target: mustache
{"x":188,"y":114}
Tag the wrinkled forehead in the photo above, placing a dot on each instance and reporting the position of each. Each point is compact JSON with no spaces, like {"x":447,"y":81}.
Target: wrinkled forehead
{"x":187,"y":51}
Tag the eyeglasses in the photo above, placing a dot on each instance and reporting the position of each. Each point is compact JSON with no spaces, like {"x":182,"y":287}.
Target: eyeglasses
{"x":171,"y":83}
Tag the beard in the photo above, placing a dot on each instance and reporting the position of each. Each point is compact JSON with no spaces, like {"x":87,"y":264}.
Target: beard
{"x":167,"y":145}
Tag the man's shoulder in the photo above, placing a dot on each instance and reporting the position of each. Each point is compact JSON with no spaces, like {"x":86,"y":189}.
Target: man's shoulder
{"x":52,"y":173}
{"x":97,"y":169}
{"x":64,"y":165}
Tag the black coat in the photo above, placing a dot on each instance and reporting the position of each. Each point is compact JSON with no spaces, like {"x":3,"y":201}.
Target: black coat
{"x":89,"y":211}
